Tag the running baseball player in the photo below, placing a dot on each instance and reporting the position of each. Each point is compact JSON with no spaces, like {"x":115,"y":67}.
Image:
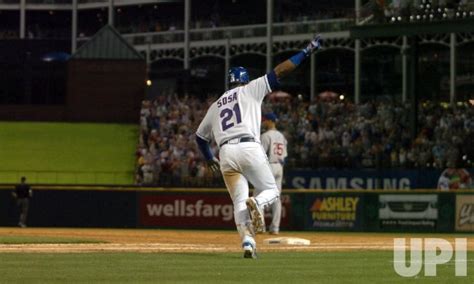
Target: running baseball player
{"x":233,"y":121}
{"x":275,"y":145}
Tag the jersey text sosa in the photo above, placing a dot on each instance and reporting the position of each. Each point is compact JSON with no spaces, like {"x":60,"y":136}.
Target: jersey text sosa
{"x":226,"y":100}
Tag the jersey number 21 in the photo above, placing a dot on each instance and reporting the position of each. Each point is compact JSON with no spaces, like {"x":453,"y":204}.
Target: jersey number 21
{"x":227,"y":114}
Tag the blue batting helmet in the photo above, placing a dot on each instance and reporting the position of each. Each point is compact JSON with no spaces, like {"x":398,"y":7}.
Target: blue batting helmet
{"x":238,"y":75}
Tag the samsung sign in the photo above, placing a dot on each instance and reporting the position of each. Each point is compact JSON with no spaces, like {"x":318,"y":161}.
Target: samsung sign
{"x":361,"y":179}
{"x":350,"y":183}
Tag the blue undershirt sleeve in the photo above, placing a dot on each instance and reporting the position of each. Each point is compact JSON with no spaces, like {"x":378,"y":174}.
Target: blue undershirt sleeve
{"x":204,"y":148}
{"x":298,"y":58}
{"x":273,"y":81}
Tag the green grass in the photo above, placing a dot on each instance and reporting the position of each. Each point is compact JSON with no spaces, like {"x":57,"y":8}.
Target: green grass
{"x":67,"y":153}
{"x":45,"y":240}
{"x":291,"y":267}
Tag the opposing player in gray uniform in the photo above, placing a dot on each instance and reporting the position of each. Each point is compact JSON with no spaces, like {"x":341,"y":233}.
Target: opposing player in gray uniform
{"x":233,"y":122}
{"x":275,"y":145}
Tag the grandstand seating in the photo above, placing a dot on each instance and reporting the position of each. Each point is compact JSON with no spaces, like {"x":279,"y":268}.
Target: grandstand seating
{"x":321,"y":134}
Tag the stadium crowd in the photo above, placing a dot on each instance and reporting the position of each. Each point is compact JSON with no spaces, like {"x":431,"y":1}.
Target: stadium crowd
{"x":422,"y":10}
{"x":320,"y":134}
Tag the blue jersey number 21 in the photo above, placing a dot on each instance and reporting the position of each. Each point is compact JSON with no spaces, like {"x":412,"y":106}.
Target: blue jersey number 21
{"x":227,"y":114}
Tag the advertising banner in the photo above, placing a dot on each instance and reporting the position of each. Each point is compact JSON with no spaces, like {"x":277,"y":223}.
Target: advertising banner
{"x":335,"y":212}
{"x":186,"y":210}
{"x":203,"y":210}
{"x":408,"y":211}
{"x":362,"y":179}
{"x":464,"y":213}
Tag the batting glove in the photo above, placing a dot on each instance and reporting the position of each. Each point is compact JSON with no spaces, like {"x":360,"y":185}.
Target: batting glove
{"x":213,"y":165}
{"x":314,"y":45}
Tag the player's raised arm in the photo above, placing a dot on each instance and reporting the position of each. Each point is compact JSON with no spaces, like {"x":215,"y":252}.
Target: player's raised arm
{"x":287,"y":66}
{"x":271,"y":81}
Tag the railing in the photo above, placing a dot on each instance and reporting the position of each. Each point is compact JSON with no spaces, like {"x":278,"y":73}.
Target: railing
{"x":68,"y":177}
{"x":321,"y":26}
{"x":49,"y":1}
{"x":92,"y":1}
{"x":40,"y":2}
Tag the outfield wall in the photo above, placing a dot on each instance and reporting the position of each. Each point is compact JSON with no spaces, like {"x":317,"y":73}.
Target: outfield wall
{"x":305,"y":210}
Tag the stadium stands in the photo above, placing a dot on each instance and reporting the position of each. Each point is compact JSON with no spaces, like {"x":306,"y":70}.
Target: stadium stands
{"x":424,"y":10}
{"x":321,"y":134}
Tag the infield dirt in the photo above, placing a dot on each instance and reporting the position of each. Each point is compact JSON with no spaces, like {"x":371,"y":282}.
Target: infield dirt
{"x":139,"y":240}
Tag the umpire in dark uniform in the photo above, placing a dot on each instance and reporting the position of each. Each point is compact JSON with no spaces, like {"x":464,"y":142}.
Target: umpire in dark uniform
{"x":22,"y":194}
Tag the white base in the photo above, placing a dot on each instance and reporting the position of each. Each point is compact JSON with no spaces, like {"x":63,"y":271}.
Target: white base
{"x":287,"y":241}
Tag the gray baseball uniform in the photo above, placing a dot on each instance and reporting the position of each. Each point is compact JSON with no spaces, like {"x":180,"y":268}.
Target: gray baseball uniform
{"x":275,"y":145}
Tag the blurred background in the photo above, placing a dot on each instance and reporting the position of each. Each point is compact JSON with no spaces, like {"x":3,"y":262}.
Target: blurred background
{"x":111,"y":92}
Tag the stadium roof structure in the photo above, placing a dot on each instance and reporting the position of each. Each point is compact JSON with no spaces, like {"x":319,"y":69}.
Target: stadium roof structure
{"x":107,"y":43}
{"x":412,"y":29}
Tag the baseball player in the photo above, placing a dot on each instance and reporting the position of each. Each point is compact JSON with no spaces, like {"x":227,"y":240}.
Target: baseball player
{"x":22,"y":194}
{"x":233,"y":122}
{"x":275,"y":145}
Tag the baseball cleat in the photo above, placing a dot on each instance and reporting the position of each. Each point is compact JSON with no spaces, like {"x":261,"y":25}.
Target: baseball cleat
{"x":256,"y":214}
{"x":249,"y":250}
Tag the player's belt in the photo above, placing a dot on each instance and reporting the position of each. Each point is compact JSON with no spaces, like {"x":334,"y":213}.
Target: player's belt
{"x":238,"y":140}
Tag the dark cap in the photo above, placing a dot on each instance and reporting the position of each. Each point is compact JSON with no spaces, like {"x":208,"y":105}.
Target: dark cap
{"x":270,"y":116}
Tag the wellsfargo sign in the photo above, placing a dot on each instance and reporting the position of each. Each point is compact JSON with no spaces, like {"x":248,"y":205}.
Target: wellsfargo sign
{"x":181,"y":208}
{"x":190,"y":210}
{"x":186,"y":210}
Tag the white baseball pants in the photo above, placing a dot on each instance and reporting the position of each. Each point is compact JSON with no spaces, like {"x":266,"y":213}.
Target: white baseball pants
{"x":242,"y":163}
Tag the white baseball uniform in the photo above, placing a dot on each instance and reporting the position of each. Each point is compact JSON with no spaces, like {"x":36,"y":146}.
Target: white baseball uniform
{"x":237,"y":114}
{"x":275,"y":145}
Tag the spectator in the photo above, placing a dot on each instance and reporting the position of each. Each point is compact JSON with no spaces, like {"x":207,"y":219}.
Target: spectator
{"x":334,"y":134}
{"x":454,"y":178}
